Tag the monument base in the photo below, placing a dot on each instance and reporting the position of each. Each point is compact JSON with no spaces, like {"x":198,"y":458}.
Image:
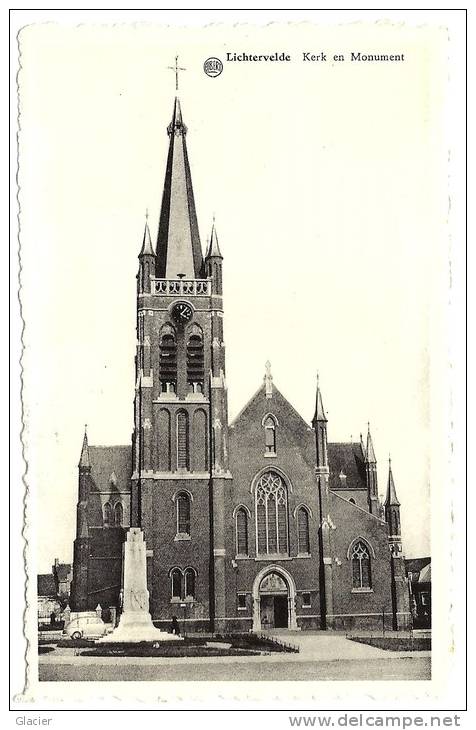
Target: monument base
{"x":136,"y":626}
{"x":135,"y":623}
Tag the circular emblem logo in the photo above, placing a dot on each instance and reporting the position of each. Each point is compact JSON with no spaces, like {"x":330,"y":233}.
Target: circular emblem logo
{"x":213,"y":67}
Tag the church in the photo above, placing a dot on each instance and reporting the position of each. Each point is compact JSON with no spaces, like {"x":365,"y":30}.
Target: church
{"x":261,"y":523}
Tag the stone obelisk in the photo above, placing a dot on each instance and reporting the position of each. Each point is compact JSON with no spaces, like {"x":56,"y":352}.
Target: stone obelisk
{"x":135,"y":623}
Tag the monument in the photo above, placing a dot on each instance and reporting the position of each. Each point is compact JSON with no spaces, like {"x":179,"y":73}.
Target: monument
{"x":135,"y":623}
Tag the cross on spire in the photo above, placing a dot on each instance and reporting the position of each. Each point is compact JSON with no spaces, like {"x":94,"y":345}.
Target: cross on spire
{"x":176,"y":68}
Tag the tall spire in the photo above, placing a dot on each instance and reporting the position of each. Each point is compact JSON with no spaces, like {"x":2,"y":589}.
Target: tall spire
{"x":391,"y":499}
{"x":84,"y":460}
{"x":370,"y":455}
{"x":319,"y":413}
{"x":178,"y":242}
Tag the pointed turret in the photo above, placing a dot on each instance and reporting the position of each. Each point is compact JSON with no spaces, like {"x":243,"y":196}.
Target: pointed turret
{"x":371,"y":473}
{"x":147,"y":248}
{"x":179,"y":253}
{"x":391,"y":499}
{"x":213,"y":247}
{"x":146,"y":261}
{"x":319,"y":413}
{"x":370,"y":453}
{"x":319,"y":423}
{"x":84,"y":462}
{"x":79,"y":587}
{"x":400,"y":597}
{"x":362,"y":446}
{"x":214,"y":262}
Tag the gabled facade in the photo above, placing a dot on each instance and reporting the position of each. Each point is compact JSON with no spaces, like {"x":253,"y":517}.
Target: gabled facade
{"x":256,"y":524}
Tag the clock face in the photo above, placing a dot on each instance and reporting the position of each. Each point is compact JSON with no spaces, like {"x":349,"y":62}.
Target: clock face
{"x":182,"y":312}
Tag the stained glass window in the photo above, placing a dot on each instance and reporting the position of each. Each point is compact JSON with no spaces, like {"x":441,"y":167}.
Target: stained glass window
{"x":241,"y":532}
{"x":303,"y":531}
{"x":271,"y":515}
{"x":361,"y":565}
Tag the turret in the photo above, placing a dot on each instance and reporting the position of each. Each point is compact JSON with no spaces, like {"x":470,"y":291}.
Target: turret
{"x":371,"y":475}
{"x":79,"y":588}
{"x":146,"y":263}
{"x":392,"y":509}
{"x":214,"y":263}
{"x":400,"y":596}
{"x":319,"y":423}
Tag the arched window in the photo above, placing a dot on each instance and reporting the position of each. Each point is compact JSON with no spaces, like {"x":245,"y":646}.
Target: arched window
{"x":195,"y":362}
{"x":168,"y":360}
{"x":176,"y":576}
{"x":183,"y":513}
{"x":360,"y":556}
{"x":303,"y":531}
{"x":118,"y":514}
{"x":182,"y":441}
{"x":108,"y":517}
{"x":241,"y":532}
{"x":190,"y":583}
{"x":271,"y":515}
{"x":270,"y":435}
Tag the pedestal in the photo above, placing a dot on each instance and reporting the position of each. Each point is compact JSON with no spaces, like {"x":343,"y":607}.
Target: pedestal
{"x":135,"y":623}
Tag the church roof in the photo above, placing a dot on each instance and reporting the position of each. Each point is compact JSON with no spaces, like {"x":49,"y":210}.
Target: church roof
{"x":346,"y":459}
{"x":178,"y":243}
{"x":420,"y":569}
{"x":111,"y":468}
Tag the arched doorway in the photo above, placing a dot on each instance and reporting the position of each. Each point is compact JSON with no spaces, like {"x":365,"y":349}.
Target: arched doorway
{"x":274,"y":605}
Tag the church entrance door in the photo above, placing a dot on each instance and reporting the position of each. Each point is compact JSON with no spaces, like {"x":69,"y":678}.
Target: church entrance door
{"x":274,"y":612}
{"x":274,"y":595}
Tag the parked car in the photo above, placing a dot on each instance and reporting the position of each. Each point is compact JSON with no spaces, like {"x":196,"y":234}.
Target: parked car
{"x":86,"y":627}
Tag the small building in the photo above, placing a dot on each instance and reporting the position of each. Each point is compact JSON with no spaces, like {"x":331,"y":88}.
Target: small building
{"x":48,"y":603}
{"x":62,"y":575}
{"x":419,"y":583}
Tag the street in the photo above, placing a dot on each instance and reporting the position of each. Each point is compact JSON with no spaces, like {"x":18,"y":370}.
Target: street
{"x":321,"y":657}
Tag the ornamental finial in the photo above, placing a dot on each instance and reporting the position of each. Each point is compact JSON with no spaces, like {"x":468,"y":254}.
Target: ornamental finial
{"x":268,"y":380}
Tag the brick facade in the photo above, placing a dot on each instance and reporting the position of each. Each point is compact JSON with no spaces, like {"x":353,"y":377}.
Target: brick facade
{"x":248,"y":525}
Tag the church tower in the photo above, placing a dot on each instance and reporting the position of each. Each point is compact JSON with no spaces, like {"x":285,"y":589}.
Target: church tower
{"x":180,"y":439}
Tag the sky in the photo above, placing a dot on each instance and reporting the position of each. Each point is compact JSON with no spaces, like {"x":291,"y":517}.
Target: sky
{"x":328,"y":183}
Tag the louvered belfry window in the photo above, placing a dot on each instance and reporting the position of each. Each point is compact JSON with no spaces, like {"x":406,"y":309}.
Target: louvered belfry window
{"x":303,"y":531}
{"x":271,"y":515}
{"x":182,"y":441}
{"x":241,"y":532}
{"x":168,"y":360}
{"x":195,"y":362}
{"x":183,"y":513}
